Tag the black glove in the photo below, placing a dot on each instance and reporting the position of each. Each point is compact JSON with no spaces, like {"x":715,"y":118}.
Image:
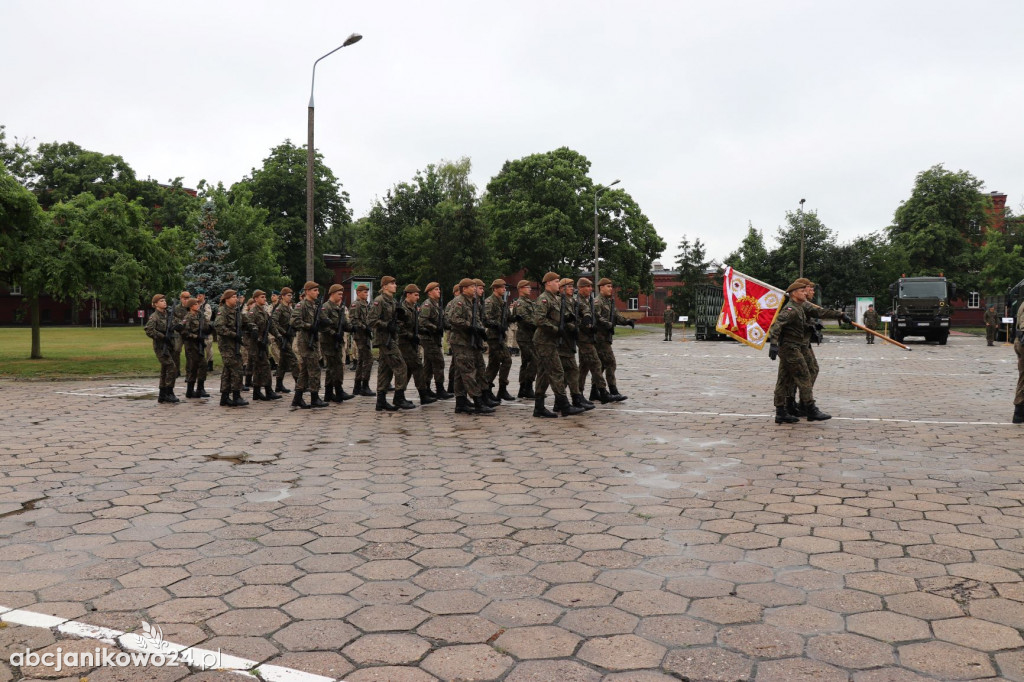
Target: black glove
{"x":773,"y":351}
{"x":845,"y":318}
{"x":632,"y":324}
{"x":178,"y":326}
{"x":400,"y":314}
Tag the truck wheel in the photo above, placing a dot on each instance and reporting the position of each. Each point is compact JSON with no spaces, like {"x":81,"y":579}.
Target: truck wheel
{"x":943,"y":339}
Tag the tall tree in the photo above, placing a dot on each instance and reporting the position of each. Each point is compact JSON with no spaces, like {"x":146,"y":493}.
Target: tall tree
{"x":211,"y":267}
{"x":1002,"y":264}
{"x":252,"y":242}
{"x":15,"y":156}
{"x":279,"y":186}
{"x":540,"y":211}
{"x":751,"y":258}
{"x":819,"y":249}
{"x":60,"y":171}
{"x":692,"y":264}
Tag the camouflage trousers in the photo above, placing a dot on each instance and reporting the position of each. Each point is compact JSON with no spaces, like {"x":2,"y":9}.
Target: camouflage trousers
{"x":481,"y":368}
{"x":195,"y":363}
{"x":812,"y":366}
{"x":168,"y":371}
{"x":246,"y":367}
{"x":391,"y":364}
{"x":590,"y":362}
{"x":334,"y":358}
{"x":499,"y":362}
{"x":795,"y":374}
{"x":309,"y":368}
{"x":990,"y":334}
{"x":413,"y":367}
{"x":549,"y":370}
{"x":365,"y":354}
{"x":231,"y":372}
{"x":1018,"y":396}
{"x":287,"y":362}
{"x":527,"y":359}
{"x":260,"y":366}
{"x":570,"y":370}
{"x":463,"y":370}
{"x":607,"y":357}
{"x":433,"y":362}
{"x":668,"y":332}
{"x":275,"y":353}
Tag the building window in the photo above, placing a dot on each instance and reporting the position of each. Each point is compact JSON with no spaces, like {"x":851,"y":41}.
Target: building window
{"x":634,"y":304}
{"x":15,"y":290}
{"x":974,"y":300}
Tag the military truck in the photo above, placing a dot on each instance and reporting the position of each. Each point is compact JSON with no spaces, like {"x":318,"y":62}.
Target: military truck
{"x":708,"y":301}
{"x":921,"y":307}
{"x":1014,"y":297}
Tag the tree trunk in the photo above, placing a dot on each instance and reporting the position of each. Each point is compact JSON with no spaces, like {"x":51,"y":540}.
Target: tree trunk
{"x":34,"y":317}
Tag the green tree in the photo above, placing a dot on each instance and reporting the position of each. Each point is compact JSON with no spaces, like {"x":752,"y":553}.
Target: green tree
{"x":864,"y":267}
{"x":751,"y":258}
{"x":940,"y":228}
{"x":692,"y":264}
{"x":253,"y":244}
{"x":819,"y":249}
{"x":279,"y":186}
{"x":211,"y":267}
{"x":16,"y":157}
{"x":540,"y":212}
{"x":60,"y":171}
{"x":1002,"y":264}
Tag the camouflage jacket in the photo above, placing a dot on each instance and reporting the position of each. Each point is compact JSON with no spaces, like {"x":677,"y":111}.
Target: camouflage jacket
{"x":156,"y":329}
{"x":495,"y":318}
{"x":587,"y":322}
{"x":460,"y":316}
{"x":547,"y":318}
{"x":282,"y":319}
{"x":330,"y":316}
{"x":432,"y":321}
{"x":792,"y":325}
{"x":303,"y":318}
{"x":991,"y":319}
{"x":225,"y":324}
{"x":606,"y":318}
{"x":357,"y":317}
{"x":380,"y":315}
{"x":409,"y":330}
{"x":871,"y":319}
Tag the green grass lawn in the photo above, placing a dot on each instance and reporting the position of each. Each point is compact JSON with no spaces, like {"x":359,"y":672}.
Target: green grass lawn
{"x":79,"y":352}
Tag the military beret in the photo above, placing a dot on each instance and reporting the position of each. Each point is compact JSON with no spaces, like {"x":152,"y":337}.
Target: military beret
{"x":200,"y":290}
{"x":799,"y":283}
{"x":259,"y":292}
{"x":286,"y":291}
{"x":430,"y":287}
{"x":604,"y":280}
{"x":478,"y":282}
{"x":565,"y":281}
{"x":584,"y":282}
{"x":275,"y":292}
{"x":228,"y":294}
{"x":192,"y":303}
{"x":335,"y":287}
{"x":310,"y":285}
{"x":550,"y":276}
{"x":466,"y":282}
{"x":523,"y":283}
{"x":158,"y":297}
{"x":456,"y":288}
{"x":498,"y":283}
{"x":412,"y":289}
{"x":386,"y":279}
{"x":362,"y":287}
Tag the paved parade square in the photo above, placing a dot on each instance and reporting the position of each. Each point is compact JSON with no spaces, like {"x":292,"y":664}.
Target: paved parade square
{"x":681,"y":534}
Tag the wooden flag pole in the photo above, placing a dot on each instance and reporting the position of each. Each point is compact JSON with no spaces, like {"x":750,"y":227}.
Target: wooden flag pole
{"x":884,"y":338}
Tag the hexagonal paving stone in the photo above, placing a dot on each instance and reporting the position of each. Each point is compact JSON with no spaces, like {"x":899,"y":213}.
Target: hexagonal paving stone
{"x":469,"y":662}
{"x":546,"y":671}
{"x":621,"y":652}
{"x":452,"y":601}
{"x":708,"y":664}
{"x":384,"y":617}
{"x":726,"y":610}
{"x":651,"y":603}
{"x":389,"y":649}
{"x":802,"y":670}
{"x":599,"y":621}
{"x":541,"y":641}
{"x":316,"y":635}
{"x":575,"y":595}
{"x":468,"y":629}
{"x":761,"y":641}
{"x":850,"y":651}
{"x":977,"y":634}
{"x":247,"y":622}
{"x":888,"y":627}
{"x":946,"y":661}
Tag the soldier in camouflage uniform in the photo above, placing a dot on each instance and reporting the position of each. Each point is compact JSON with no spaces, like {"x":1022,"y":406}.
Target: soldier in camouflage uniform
{"x":161,"y":328}
{"x":383,"y":321}
{"x":547,"y":317}
{"x":361,"y":335}
{"x":459,"y":314}
{"x":590,"y":361}
{"x":196,"y":331}
{"x":332,"y":342}
{"x":180,"y":311}
{"x":206,"y":310}
{"x":522,"y":316}
{"x":790,"y":341}
{"x":607,"y":318}
{"x":991,"y":325}
{"x":305,"y":322}
{"x":871,"y":320}
{"x":447,"y":309}
{"x":499,"y":359}
{"x":1018,"y":348}
{"x":229,"y":343}
{"x":409,"y":346}
{"x":249,"y":350}
{"x":271,"y":308}
{"x":669,"y":318}
{"x":567,"y":349}
{"x":259,"y":348}
{"x":432,"y":325}
{"x":283,"y":335}
{"x":478,"y":352}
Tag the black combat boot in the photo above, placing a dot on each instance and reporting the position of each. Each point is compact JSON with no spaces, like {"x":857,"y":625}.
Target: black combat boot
{"x":329,"y":393}
{"x":339,"y":393}
{"x":540,"y":411}
{"x":201,"y":389}
{"x":209,"y":365}
{"x":814,"y":414}
{"x":442,"y":394}
{"x":268,"y":393}
{"x":588,"y":404}
{"x":162,"y":396}
{"x":522,"y":389}
{"x":169,"y":397}
{"x":503,"y":393}
{"x":225,"y":399}
{"x":366,"y":390}
{"x":529,"y":394}
{"x":297,"y":401}
{"x":565,"y":408}
{"x":190,"y":390}
{"x":577,"y":401}
{"x":794,"y":408}
{"x":248,"y":383}
{"x":314,"y":400}
{"x":488,"y":399}
{"x":451,"y":386}
{"x":401,"y":402}
{"x":382,"y":403}
{"x":1018,"y":414}
{"x":462,"y":405}
{"x":614,"y":393}
{"x":425,"y":398}
{"x":783,"y":416}
{"x":238,"y":400}
{"x":480,"y":407}
{"x":280,"y":386}
{"x":257,"y":393}
{"x":595,"y":394}
{"x":604,"y":396}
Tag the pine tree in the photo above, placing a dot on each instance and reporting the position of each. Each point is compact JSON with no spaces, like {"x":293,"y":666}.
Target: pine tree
{"x":691,"y":264}
{"x":211,"y":270}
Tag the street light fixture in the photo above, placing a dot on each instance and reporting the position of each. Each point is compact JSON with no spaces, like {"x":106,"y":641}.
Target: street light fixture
{"x":352,"y":39}
{"x":597,"y":238}
{"x":802,"y":237}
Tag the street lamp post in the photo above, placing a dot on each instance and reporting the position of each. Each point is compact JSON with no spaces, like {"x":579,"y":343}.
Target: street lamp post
{"x":802,"y":237}
{"x":354,"y":38}
{"x":597,"y":238}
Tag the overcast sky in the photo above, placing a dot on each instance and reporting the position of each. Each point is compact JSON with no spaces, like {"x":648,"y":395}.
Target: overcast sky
{"x":712,"y":114}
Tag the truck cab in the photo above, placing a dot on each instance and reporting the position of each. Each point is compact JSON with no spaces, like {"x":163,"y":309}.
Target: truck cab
{"x":921,"y":307}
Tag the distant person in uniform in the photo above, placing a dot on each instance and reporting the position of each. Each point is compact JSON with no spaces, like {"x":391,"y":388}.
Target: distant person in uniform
{"x":991,"y":325}
{"x":871,"y":320}
{"x":668,"y":322}
{"x":1018,"y":398}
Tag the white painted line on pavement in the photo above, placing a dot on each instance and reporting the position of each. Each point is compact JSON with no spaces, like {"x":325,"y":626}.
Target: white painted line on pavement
{"x":851,"y":419}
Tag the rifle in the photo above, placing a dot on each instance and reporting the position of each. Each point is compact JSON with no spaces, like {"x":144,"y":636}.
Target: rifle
{"x":575,"y":335}
{"x":169,"y":330}
{"x":441,"y":322}
{"x":475,"y":330}
{"x":314,"y":330}
{"x":343,"y":325}
{"x":593,"y":320}
{"x":504,"y":315}
{"x":201,"y":335}
{"x":238,"y":328}
{"x":561,"y":320}
{"x":264,"y":342}
{"x":416,"y":327}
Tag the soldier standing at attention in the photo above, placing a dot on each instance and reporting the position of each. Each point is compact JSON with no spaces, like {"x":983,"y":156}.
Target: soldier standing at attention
{"x":871,"y":322}
{"x":1018,"y":348}
{"x":259,"y":348}
{"x":567,"y":349}
{"x":431,"y":320}
{"x":180,"y":312}
{"x":271,"y":308}
{"x":283,"y":334}
{"x":607,"y":318}
{"x":478,"y":353}
{"x":991,"y":325}
{"x":161,"y":328}
{"x":590,"y":362}
{"x":409,"y":346}
{"x":668,"y":322}
{"x":459,"y":313}
{"x":206,"y":311}
{"x":304,"y":321}
{"x":522,"y":315}
{"x":361,"y":334}
{"x":229,"y":344}
{"x":547,"y":316}
{"x":456,"y":290}
{"x":383,"y":321}
{"x":332,"y":342}
{"x":196,"y":331}
{"x":499,"y":359}
{"x":249,"y":349}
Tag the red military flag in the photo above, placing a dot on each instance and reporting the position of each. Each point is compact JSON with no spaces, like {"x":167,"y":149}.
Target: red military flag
{"x":749,"y":309}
